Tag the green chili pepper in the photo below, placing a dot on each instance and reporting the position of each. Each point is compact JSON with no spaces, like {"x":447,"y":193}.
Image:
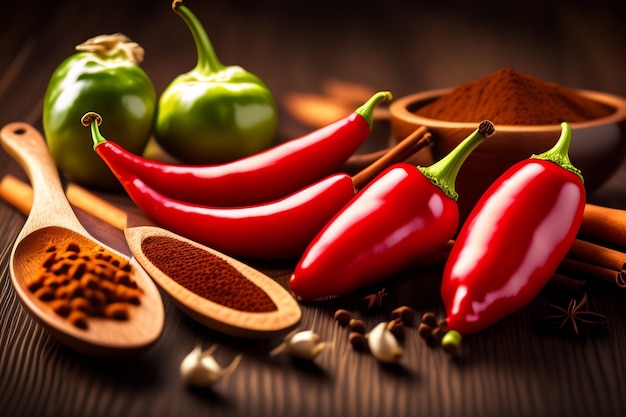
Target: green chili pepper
{"x":214,"y":113}
{"x":104,"y":76}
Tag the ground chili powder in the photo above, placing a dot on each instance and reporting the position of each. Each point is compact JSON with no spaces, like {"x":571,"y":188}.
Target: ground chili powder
{"x":507,"y":97}
{"x":206,"y":274}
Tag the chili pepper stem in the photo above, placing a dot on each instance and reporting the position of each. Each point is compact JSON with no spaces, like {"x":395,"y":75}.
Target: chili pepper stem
{"x":367,"y":109}
{"x":93,"y":120}
{"x":443,"y":173}
{"x":559,"y":153}
{"x":411,"y":144}
{"x":208,"y":61}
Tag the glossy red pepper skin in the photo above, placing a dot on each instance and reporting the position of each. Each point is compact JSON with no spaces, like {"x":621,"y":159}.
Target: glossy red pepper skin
{"x":511,"y":243}
{"x":400,"y":217}
{"x":259,"y":178}
{"x":415,"y":219}
{"x":277,"y":230}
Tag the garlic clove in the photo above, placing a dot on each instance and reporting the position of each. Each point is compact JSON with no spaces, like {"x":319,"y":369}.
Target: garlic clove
{"x":304,"y":345}
{"x":200,"y":369}
{"x":383,"y":344}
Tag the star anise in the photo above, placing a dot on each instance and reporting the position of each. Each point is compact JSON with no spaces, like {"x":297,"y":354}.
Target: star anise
{"x":374,"y":298}
{"x":576,"y":313}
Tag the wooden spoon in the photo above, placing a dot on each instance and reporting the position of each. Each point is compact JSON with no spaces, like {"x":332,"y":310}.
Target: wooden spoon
{"x":211,"y":313}
{"x":137,"y":228}
{"x":52,"y":221}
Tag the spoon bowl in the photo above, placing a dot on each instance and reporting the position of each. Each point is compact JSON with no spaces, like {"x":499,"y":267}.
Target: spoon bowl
{"x":137,"y":228}
{"x":52,"y":222}
{"x":211,"y":313}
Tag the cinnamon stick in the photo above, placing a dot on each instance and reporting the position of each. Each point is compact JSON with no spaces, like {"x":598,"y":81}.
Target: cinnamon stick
{"x":20,"y":195}
{"x":580,"y":269}
{"x":17,"y":193}
{"x":338,"y":99}
{"x":358,"y":161}
{"x":597,"y":254}
{"x":407,"y":147}
{"x":567,"y":283}
{"x":604,"y":224}
{"x":96,"y":206}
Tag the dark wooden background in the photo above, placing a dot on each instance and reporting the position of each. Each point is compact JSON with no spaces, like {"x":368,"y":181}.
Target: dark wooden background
{"x":512,"y":369}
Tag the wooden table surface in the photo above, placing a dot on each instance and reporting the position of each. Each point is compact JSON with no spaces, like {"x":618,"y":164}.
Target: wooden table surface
{"x":512,"y":368}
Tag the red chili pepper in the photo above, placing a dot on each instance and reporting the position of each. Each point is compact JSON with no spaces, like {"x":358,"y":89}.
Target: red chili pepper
{"x":404,"y":214}
{"x":259,"y":178}
{"x":513,"y":240}
{"x":279,"y":229}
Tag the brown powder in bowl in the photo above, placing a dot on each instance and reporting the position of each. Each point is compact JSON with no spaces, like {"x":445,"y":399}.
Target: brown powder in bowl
{"x":507,"y":97}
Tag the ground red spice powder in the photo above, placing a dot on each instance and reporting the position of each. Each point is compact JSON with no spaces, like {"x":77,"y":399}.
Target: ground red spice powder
{"x":507,"y":97}
{"x":205,"y":274}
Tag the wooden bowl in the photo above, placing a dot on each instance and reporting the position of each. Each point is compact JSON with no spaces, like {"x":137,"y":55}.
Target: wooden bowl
{"x":598,"y":146}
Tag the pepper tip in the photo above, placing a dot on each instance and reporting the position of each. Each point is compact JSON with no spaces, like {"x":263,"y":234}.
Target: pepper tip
{"x":176,"y":3}
{"x":451,"y":343}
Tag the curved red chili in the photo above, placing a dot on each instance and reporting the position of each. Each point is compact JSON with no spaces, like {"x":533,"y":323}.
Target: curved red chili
{"x":513,"y":240}
{"x":404,"y":214}
{"x":275,"y":230}
{"x":259,"y":178}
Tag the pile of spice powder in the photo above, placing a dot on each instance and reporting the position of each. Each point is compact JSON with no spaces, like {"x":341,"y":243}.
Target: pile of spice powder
{"x":507,"y":97}
{"x":79,"y":283}
{"x":206,"y":274}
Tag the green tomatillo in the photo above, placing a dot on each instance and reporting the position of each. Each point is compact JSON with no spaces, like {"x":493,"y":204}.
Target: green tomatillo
{"x":213,"y":113}
{"x":103,"y":76}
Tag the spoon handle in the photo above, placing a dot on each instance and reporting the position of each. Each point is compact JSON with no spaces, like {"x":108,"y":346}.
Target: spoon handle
{"x":29,"y":149}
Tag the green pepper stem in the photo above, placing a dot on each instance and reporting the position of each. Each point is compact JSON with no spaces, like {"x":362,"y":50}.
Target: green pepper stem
{"x":93,"y":120}
{"x":207,"y":58}
{"x":443,"y":173}
{"x":367,"y":109}
{"x":559,"y":153}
